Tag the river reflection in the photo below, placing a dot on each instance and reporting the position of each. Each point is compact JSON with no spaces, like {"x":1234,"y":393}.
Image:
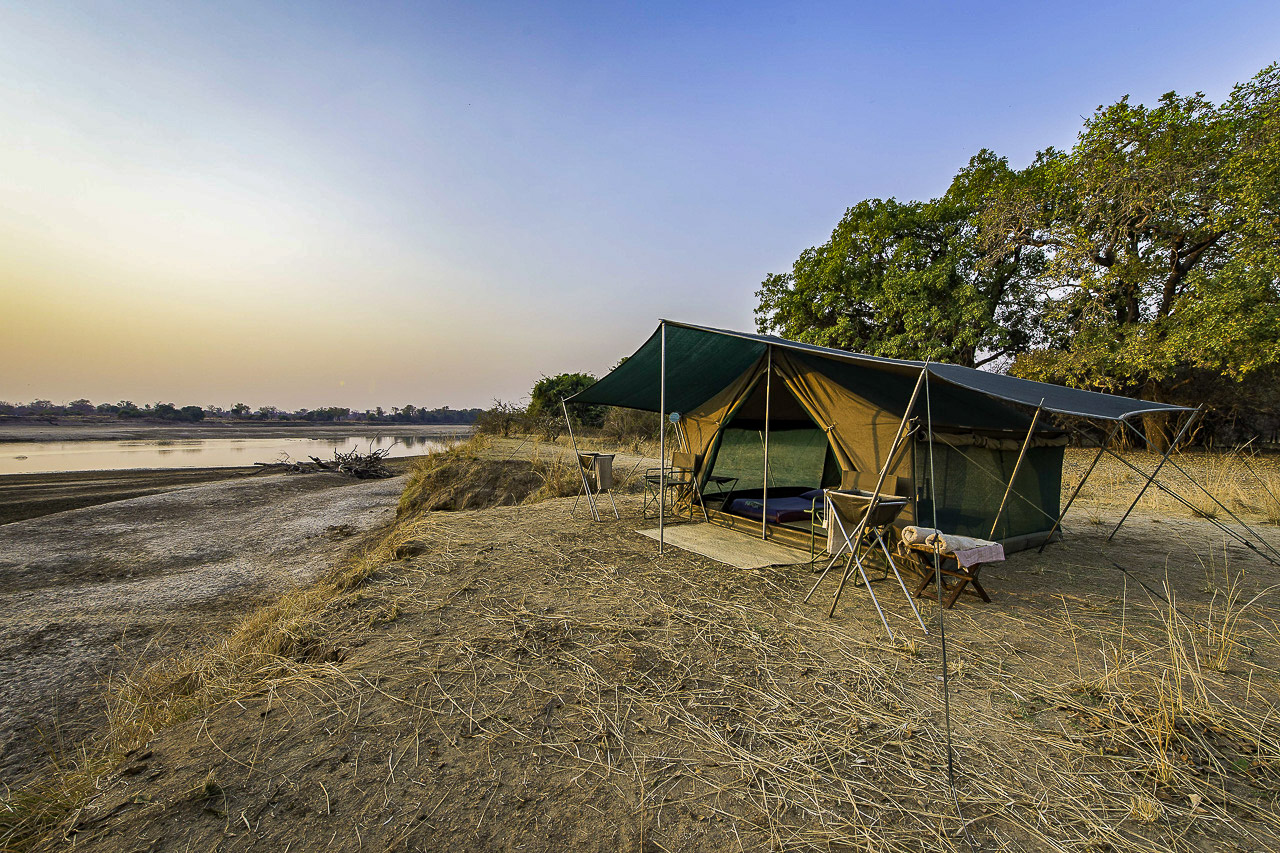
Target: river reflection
{"x":39,"y":457}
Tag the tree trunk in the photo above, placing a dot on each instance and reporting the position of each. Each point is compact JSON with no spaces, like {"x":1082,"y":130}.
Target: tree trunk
{"x":1155,"y":425}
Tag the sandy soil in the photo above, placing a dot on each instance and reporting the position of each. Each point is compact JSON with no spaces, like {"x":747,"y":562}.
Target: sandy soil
{"x":88,"y":591}
{"x":551,"y":684}
{"x":525,"y":679}
{"x":25,"y":496}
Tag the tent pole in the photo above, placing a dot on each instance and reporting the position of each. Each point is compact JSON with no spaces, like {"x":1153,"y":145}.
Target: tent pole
{"x":1223,"y":507}
{"x":764,"y":493}
{"x":577,"y":460}
{"x":995,"y":522}
{"x":1106,"y":439}
{"x":662,"y":442}
{"x":1156,"y":472}
{"x":937,"y":590}
{"x":1232,"y":532}
{"x":875,"y":496}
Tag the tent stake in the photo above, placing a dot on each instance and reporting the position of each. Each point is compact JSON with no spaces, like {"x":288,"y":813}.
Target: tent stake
{"x":1156,"y":472}
{"x":1106,"y":439}
{"x":662,"y":441}
{"x":995,"y":522}
{"x":764,"y":492}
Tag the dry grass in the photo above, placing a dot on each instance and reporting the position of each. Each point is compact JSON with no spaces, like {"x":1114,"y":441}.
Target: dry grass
{"x":701,"y":706}
{"x":1244,"y":482}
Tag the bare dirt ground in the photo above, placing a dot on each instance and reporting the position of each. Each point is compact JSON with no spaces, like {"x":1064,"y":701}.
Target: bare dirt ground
{"x":517,"y":678}
{"x":91,"y":591}
{"x":33,"y":495}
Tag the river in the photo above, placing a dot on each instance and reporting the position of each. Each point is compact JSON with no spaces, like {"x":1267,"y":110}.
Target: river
{"x":40,"y":457}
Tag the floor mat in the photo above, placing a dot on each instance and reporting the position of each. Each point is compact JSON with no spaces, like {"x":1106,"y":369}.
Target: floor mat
{"x":727,"y":546}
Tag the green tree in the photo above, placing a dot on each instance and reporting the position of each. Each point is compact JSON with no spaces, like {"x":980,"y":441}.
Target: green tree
{"x":1145,"y":259}
{"x":1160,"y":227}
{"x":910,"y":280}
{"x":547,"y":392}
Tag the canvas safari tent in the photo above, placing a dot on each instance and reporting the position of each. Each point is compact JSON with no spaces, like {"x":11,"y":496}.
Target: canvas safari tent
{"x":780,"y":419}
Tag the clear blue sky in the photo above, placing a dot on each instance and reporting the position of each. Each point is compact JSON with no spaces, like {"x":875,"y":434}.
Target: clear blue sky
{"x":388,"y":203}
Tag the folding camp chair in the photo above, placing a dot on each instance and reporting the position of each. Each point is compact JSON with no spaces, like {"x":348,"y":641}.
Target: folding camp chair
{"x":857,"y":523}
{"x":596,"y":472}
{"x":680,"y":482}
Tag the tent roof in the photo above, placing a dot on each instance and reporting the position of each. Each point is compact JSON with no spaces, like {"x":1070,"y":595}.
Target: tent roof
{"x":701,"y":361}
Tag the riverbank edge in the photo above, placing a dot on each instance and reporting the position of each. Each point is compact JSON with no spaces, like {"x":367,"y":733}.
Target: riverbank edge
{"x":27,"y":430}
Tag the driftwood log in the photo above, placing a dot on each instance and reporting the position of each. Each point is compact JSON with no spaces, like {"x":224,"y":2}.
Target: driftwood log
{"x":363,"y":466}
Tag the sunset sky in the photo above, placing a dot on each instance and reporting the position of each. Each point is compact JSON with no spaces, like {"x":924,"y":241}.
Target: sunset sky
{"x":369,"y":204}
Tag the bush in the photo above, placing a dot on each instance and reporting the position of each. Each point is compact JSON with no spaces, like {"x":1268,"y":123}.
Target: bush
{"x":500,"y":419}
{"x":629,"y":424}
{"x":544,"y":399}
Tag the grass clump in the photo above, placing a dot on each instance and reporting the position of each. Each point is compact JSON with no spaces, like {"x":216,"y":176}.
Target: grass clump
{"x":461,"y":478}
{"x":468,"y":477}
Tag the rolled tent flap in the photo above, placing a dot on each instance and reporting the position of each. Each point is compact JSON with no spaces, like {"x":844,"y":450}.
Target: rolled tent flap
{"x":703,"y":423}
{"x":860,"y":433}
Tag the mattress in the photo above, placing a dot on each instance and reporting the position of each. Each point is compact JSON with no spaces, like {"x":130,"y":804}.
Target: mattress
{"x":780,"y":510}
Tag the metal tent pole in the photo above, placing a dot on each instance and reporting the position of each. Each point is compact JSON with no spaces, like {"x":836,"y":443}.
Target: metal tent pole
{"x":662,"y":441}
{"x":1156,"y":472}
{"x":875,"y":496}
{"x":577,"y":460}
{"x":937,"y":579}
{"x":764,"y":493}
{"x":1106,"y":439}
{"x":1232,"y":532}
{"x":1237,"y":519}
{"x":995,"y":522}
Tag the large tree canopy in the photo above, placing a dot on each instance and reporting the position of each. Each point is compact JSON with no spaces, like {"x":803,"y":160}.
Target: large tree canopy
{"x":909,"y":280}
{"x":1144,"y":259}
{"x":1159,"y":226}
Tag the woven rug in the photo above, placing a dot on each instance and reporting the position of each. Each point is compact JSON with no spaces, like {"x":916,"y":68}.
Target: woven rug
{"x":727,"y":546}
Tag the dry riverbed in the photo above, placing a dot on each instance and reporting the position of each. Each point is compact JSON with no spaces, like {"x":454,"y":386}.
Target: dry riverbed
{"x":96,"y":590}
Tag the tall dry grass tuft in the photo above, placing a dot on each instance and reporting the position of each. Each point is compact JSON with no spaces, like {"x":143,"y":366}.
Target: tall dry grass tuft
{"x":1222,"y":626}
{"x":1154,"y":705}
{"x":1220,"y":480}
{"x":1265,"y":492}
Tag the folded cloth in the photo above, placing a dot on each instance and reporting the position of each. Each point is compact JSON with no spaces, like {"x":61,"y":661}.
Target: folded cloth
{"x":968,"y":551}
{"x":917,"y":535}
{"x":992,"y":553}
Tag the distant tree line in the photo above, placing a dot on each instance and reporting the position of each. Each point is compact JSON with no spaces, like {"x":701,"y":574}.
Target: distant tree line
{"x":544,"y":416}
{"x":127,"y":409}
{"x":1144,"y":260}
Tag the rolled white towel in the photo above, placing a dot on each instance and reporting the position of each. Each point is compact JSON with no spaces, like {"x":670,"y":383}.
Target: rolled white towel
{"x":917,"y":535}
{"x":954,"y":542}
{"x":967,"y":550}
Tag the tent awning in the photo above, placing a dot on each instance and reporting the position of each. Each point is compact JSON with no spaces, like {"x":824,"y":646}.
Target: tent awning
{"x":701,"y":361}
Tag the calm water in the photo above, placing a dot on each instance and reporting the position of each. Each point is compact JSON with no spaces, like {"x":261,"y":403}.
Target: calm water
{"x":39,"y":457}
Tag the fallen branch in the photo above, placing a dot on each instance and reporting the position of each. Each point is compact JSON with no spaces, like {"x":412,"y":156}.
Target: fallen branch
{"x":363,"y":466}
